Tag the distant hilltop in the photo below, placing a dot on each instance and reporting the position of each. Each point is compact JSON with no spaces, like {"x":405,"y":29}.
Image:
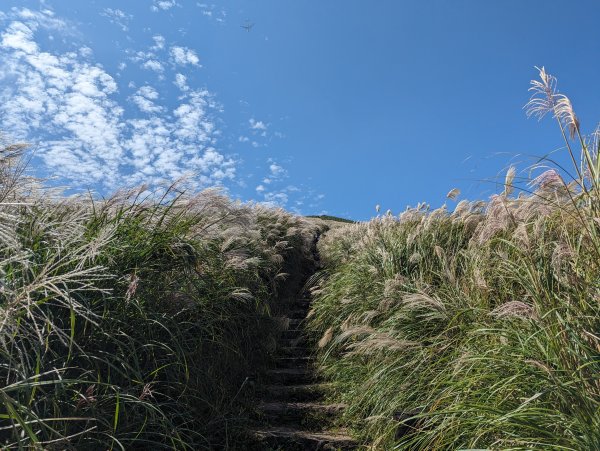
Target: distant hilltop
{"x":332,"y":218}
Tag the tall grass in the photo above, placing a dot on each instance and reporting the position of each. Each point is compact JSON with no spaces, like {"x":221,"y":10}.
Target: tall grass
{"x":476,"y":328}
{"x":136,"y":322}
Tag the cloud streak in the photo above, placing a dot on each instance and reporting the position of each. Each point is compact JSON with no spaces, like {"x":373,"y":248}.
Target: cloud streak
{"x":117,"y":17}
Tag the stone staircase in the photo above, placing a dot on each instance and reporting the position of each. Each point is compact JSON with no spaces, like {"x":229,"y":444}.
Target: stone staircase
{"x":292,"y":414}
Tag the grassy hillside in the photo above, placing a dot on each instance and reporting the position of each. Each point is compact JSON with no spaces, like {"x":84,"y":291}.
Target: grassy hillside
{"x":473,"y":328}
{"x":140,"y":321}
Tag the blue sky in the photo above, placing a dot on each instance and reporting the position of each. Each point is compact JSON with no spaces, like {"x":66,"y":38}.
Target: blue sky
{"x":323,"y":107}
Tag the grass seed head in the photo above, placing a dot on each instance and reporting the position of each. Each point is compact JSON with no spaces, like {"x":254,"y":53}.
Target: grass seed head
{"x":565,"y":113}
{"x":508,"y":181}
{"x":514,"y":309}
{"x":453,"y":194}
{"x":544,"y":97}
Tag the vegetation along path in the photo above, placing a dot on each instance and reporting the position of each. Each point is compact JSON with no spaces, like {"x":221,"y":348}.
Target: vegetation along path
{"x":292,"y":413}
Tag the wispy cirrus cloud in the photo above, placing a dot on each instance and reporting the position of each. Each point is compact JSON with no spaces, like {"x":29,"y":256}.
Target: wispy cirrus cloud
{"x":257,"y":130}
{"x":272,"y":195}
{"x":117,"y":17}
{"x":275,"y":190}
{"x":277,"y":172}
{"x":211,"y":11}
{"x":86,"y":130}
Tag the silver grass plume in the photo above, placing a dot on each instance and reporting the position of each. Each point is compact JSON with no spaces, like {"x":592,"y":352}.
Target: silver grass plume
{"x":508,"y":181}
{"x":326,"y":338}
{"x":547,"y":179}
{"x":544,"y":97}
{"x":453,"y":194}
{"x":514,"y":309}
{"x":564,"y":112}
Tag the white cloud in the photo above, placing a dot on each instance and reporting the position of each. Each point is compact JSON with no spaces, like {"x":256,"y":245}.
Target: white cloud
{"x":159,"y":42}
{"x":258,"y":130}
{"x":19,"y":36}
{"x":260,"y":188}
{"x":144,"y":98}
{"x":163,"y":5}
{"x":149,"y":61}
{"x":181,"y":82}
{"x":257,"y":125}
{"x":277,"y":199}
{"x":184,"y":55}
{"x":149,"y":92}
{"x":191,"y":118}
{"x":68,"y":104}
{"x":86,"y":52}
{"x":276,"y":170}
{"x":243,"y":139}
{"x":153,"y":65}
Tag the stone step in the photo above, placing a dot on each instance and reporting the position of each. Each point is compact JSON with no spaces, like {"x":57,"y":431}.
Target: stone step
{"x":295,"y":323}
{"x":301,"y":393}
{"x":298,"y":361}
{"x":292,"y":333}
{"x":290,"y":439}
{"x":301,"y":303}
{"x":291,"y":376}
{"x":309,"y":414}
{"x":297,"y":313}
{"x":293,"y":342}
{"x":293,"y":351}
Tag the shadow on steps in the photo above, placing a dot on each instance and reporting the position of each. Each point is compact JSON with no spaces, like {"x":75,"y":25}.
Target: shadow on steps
{"x":290,"y":415}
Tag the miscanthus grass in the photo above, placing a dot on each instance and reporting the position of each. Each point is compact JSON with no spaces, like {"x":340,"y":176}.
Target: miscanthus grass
{"x":138,"y":321}
{"x":477,"y":328}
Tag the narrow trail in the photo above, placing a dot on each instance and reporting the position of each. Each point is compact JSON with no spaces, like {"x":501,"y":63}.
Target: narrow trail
{"x":293,"y":415}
